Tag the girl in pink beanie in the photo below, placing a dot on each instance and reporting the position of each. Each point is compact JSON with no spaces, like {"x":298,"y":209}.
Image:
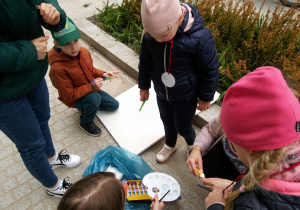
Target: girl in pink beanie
{"x":215,"y":156}
{"x":178,"y":54}
{"x":260,"y":116}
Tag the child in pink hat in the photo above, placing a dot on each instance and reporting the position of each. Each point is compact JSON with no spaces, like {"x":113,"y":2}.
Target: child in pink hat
{"x":260,"y":116}
{"x":178,"y":54}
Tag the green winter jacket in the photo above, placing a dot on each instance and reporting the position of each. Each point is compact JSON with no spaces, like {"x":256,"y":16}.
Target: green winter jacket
{"x":20,"y":69}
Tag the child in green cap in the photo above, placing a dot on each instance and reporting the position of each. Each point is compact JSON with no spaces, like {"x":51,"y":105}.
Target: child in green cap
{"x":78,"y":82}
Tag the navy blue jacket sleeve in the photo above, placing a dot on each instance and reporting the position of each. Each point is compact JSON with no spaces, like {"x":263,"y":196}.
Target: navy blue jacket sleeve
{"x":145,"y":66}
{"x":208,"y":66}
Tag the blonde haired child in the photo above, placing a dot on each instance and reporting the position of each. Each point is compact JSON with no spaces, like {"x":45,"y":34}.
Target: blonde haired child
{"x":178,"y":54}
{"x":260,"y":116}
{"x":213,"y":154}
{"x":101,"y":190}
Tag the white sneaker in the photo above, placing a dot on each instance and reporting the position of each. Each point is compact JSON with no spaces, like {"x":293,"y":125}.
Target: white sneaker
{"x":65,"y":160}
{"x":60,"y":190}
{"x":189,"y":148}
{"x":165,"y":153}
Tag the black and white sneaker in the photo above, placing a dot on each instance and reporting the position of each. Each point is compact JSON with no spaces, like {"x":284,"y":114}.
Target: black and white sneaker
{"x":90,"y":128}
{"x":65,"y":160}
{"x":60,"y":190}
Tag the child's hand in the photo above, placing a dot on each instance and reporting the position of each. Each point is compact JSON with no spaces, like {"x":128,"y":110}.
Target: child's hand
{"x":110,"y":74}
{"x":195,"y":158}
{"x":97,"y":83}
{"x":144,"y":94}
{"x":216,"y":196}
{"x":156,"y":205}
{"x":41,"y":46}
{"x":49,"y":14}
{"x":215,"y":183}
{"x":202,"y":105}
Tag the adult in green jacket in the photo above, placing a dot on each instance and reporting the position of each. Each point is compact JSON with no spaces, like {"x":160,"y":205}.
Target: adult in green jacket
{"x":24,"y":97}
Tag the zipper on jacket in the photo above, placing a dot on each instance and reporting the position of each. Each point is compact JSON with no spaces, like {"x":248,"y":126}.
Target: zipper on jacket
{"x":166,"y":70}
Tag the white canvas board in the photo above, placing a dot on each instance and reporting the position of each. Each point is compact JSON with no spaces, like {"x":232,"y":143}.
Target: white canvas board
{"x":132,"y":129}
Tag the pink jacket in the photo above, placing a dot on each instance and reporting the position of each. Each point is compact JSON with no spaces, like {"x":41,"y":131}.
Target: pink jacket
{"x":210,"y":135}
{"x":287,"y":183}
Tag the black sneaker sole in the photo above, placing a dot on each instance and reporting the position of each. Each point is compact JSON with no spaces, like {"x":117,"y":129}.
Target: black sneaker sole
{"x":91,"y":134}
{"x":63,"y":165}
{"x":54,"y":195}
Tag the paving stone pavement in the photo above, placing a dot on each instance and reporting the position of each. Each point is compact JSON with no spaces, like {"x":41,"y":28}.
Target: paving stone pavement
{"x":19,"y":190}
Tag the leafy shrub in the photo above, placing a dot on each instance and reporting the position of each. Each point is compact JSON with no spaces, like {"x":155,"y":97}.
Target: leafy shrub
{"x":254,"y":39}
{"x":245,"y":38}
{"x":122,"y":21}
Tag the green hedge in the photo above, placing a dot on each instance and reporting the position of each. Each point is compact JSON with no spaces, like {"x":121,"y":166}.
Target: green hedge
{"x":245,"y":38}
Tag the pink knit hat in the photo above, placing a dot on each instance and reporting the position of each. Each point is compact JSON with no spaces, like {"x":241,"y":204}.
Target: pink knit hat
{"x":260,"y":112}
{"x":159,"y":16}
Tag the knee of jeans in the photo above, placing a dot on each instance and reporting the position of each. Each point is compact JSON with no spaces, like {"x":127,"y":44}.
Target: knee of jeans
{"x":33,"y":151}
{"x":188,"y":134}
{"x":93,"y":99}
{"x":115,"y":106}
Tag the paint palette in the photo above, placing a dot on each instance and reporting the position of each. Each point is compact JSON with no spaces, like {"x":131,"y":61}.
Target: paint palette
{"x":136,"y":190}
{"x":160,"y":183}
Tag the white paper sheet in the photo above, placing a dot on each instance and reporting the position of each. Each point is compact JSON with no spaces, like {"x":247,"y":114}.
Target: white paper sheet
{"x":132,"y":129}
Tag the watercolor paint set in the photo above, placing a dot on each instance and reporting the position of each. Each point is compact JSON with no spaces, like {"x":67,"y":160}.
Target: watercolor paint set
{"x":136,"y":190}
{"x":165,"y":186}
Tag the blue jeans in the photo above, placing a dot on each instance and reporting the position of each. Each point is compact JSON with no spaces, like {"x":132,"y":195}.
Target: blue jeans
{"x":177,"y":117}
{"x":92,"y":102}
{"x":25,"y":121}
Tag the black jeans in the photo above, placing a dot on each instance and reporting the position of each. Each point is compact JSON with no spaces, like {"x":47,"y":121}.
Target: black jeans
{"x":177,"y":117}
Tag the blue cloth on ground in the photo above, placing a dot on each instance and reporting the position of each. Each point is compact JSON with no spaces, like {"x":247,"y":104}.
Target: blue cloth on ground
{"x":130,"y":165}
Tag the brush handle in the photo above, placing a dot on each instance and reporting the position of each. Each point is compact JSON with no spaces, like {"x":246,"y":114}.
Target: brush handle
{"x":210,"y":190}
{"x":164,"y":196}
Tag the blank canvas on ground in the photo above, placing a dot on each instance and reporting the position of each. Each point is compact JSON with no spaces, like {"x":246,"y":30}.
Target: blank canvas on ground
{"x":132,"y":129}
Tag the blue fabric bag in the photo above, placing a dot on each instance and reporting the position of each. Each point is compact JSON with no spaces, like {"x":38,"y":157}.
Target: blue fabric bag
{"x":130,"y":165}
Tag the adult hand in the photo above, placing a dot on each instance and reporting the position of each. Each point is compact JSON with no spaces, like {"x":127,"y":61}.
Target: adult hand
{"x":49,"y":14}
{"x":110,"y":74}
{"x":97,"y":83}
{"x":156,"y":205}
{"x":202,"y":105}
{"x":195,"y":159}
{"x":144,"y":94}
{"x":216,"y":196}
{"x":41,"y":46}
{"x":215,"y":183}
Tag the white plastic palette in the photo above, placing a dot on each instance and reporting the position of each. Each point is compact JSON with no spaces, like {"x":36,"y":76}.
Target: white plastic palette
{"x":160,"y":183}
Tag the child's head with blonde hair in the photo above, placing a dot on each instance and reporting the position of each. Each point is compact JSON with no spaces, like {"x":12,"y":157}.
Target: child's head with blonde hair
{"x":260,"y":116}
{"x":161,"y":18}
{"x":96,"y":191}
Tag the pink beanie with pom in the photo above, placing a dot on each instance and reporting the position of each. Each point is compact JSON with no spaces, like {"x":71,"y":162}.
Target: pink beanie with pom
{"x":260,"y":112}
{"x":159,"y":16}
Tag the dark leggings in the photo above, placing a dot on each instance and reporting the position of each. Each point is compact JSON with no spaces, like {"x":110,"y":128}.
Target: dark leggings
{"x":217,"y":164}
{"x":177,"y":117}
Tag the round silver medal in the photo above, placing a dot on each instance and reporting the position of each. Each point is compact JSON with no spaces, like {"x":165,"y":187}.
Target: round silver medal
{"x":168,"y":79}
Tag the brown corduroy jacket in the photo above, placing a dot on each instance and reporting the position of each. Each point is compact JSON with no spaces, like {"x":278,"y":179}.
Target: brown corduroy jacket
{"x":71,"y":78}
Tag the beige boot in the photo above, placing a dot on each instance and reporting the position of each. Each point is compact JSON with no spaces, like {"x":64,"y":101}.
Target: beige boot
{"x":165,"y":153}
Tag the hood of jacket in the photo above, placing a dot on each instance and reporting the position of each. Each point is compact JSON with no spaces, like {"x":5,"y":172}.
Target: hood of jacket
{"x":197,"y":24}
{"x":56,"y":57}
